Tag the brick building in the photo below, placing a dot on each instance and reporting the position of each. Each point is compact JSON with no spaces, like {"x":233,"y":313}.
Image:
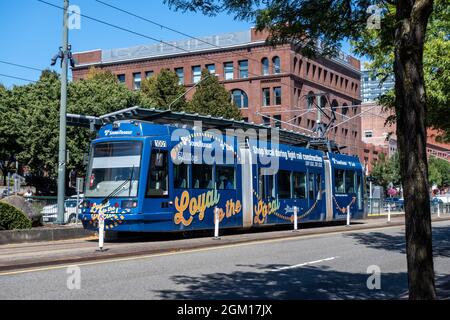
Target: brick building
{"x":276,"y":86}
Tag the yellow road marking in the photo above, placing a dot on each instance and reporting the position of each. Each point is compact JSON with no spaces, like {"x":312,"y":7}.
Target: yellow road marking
{"x":253,"y":242}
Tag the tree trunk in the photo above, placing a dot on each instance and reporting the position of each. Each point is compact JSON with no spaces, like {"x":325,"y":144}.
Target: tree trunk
{"x":412,"y":17}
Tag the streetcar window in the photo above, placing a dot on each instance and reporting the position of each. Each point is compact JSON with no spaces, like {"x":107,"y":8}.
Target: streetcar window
{"x":339,"y":181}
{"x":225,"y":178}
{"x":299,"y":185}
{"x":111,"y":165}
{"x":202,"y":176}
{"x":311,"y":182}
{"x":266,"y":185}
{"x":349,"y":182}
{"x":181,"y":176}
{"x":158,"y":177}
{"x":284,"y":184}
{"x":319,"y":186}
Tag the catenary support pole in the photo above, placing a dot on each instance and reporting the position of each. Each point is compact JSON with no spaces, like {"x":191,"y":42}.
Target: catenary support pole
{"x":62,"y":118}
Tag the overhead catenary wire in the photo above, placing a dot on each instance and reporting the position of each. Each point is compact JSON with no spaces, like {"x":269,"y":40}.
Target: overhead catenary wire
{"x":17,"y":78}
{"x":153,"y":38}
{"x":22,"y":66}
{"x":170,"y":44}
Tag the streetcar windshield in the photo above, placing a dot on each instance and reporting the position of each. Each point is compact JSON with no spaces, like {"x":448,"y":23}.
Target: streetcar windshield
{"x":114,"y":168}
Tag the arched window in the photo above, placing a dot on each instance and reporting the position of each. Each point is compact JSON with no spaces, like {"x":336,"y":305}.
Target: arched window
{"x":239,"y":98}
{"x":310,"y":100}
{"x":265,"y":66}
{"x":334,"y":105}
{"x":276,"y":65}
{"x":345,"y":109}
{"x":323,"y":102}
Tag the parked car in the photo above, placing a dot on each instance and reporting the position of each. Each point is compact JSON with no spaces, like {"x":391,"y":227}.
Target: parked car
{"x":50,"y":212}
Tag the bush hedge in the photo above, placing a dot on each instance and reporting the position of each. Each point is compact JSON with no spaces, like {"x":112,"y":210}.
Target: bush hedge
{"x":13,"y":219}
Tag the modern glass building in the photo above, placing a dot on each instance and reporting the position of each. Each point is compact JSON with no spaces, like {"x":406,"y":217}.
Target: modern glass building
{"x":372,"y":87}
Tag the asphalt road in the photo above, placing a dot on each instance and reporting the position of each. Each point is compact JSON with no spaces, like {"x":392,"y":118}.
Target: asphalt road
{"x":330,"y":266}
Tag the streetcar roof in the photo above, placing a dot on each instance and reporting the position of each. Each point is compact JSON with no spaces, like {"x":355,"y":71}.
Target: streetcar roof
{"x":170,"y":117}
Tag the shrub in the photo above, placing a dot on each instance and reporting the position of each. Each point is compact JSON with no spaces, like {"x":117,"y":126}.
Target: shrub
{"x":12,"y":218}
{"x":21,"y":204}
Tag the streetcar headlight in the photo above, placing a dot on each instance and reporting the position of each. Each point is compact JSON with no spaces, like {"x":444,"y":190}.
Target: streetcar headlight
{"x":129,"y":204}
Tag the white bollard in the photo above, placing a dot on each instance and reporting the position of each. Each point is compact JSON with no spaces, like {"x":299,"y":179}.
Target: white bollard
{"x":439,"y":210}
{"x":295,"y":218}
{"x":348,"y":216}
{"x":101,"y":231}
{"x":389,"y":213}
{"x":216,"y":224}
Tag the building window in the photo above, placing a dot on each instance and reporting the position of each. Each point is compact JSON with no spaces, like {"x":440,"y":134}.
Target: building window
{"x":265,"y":66}
{"x":228,"y":70}
{"x":243,"y":69}
{"x":240,"y":98}
{"x":368,"y":134}
{"x":277,"y":95}
{"x":196,"y":74}
{"x":137,"y":80}
{"x":310,"y":100}
{"x":266,"y":121}
{"x":121,"y":78}
{"x":277,"y":120}
{"x":345,"y":109}
{"x":266,"y":97}
{"x":276,"y":65}
{"x":148,"y":74}
{"x":211,"y":68}
{"x":323,"y":102}
{"x":180,"y":74}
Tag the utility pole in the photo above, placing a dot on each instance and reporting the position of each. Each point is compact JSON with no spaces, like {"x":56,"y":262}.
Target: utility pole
{"x":62,"y":117}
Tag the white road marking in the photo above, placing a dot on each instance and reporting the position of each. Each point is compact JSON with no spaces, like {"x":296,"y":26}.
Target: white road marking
{"x":304,"y":264}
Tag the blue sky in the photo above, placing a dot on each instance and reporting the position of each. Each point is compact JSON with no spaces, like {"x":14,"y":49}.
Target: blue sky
{"x":31,"y":31}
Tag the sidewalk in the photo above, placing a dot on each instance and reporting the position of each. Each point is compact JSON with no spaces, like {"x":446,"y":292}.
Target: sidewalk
{"x":33,"y":255}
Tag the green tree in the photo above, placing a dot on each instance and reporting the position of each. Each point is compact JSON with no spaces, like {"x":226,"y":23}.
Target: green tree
{"x":436,"y":59}
{"x":401,"y":33}
{"x":439,"y":172}
{"x":211,"y":98}
{"x":387,"y":170}
{"x":163,"y":90}
{"x":100,"y":93}
{"x":8,"y":135}
{"x":37,"y":120}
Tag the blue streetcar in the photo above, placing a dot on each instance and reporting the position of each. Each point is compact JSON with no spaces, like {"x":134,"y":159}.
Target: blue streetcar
{"x":146,"y":175}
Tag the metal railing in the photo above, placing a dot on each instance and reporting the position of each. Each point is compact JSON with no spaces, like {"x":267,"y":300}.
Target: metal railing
{"x":381,"y":207}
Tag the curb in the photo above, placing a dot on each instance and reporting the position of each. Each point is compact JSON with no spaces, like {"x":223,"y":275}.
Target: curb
{"x":43,"y":234}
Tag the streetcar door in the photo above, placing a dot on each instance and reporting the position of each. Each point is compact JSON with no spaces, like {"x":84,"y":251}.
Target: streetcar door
{"x":328,"y":190}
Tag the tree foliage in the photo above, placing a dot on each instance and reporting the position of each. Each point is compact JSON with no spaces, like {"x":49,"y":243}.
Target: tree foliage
{"x":35,"y":121}
{"x":439,"y":172}
{"x":211,"y":98}
{"x":379,"y":46}
{"x":387,"y":170}
{"x":164,"y":90}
